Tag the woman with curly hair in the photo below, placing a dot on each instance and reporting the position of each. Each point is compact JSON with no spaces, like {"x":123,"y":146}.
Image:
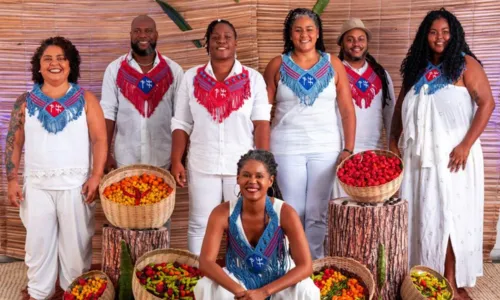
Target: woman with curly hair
{"x":444,"y":106}
{"x":267,"y":255}
{"x":60,"y":125}
{"x":307,"y":86}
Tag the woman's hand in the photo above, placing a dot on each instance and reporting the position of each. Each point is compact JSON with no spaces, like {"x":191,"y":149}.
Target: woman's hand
{"x":343,"y":155}
{"x":458,"y":157}
{"x":14,"y":193}
{"x":258,"y":294}
{"x":179,"y":173}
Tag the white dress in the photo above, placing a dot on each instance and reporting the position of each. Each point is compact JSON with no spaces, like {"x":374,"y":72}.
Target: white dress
{"x":443,"y":204}
{"x":206,"y":289}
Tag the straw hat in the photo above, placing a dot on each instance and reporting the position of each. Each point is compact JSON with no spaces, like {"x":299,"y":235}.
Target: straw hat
{"x":353,"y":23}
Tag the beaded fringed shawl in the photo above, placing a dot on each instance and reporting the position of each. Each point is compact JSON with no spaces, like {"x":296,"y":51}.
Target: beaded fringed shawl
{"x":148,"y":88}
{"x":306,"y":84}
{"x":221,"y":98}
{"x":434,"y":77}
{"x":265,"y":263}
{"x":55,"y":114}
{"x":363,"y":87}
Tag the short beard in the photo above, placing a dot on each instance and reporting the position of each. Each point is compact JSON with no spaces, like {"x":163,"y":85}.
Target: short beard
{"x":150,"y":50}
{"x":352,"y":58}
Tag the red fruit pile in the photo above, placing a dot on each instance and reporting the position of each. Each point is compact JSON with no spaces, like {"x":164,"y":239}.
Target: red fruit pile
{"x":169,"y":280}
{"x":86,"y":288}
{"x":369,"y":169}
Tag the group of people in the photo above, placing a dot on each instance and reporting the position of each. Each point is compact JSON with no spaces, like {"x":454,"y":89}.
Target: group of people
{"x":326,"y":107}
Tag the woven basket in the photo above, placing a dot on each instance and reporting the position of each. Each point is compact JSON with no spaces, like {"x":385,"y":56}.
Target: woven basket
{"x":349,"y":265}
{"x":156,"y":257}
{"x":410,"y":292}
{"x":153,"y":215}
{"x":109,"y":292}
{"x":373,"y":194}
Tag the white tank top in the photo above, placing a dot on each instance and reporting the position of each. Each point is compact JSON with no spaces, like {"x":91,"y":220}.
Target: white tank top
{"x":300,"y":129}
{"x":56,"y":161}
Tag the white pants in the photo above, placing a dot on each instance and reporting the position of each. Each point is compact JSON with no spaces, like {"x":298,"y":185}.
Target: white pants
{"x":206,"y":289}
{"x":206,"y":191}
{"x":306,"y":184}
{"x":59,"y":229}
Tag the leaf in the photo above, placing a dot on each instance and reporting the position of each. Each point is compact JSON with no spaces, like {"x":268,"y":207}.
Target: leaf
{"x":126,"y":272}
{"x":320,"y":6}
{"x":177,"y":19}
{"x":381,"y":266}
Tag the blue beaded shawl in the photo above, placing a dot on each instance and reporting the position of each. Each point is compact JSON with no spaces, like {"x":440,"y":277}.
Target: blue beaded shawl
{"x":55,"y":114}
{"x":306,"y":85}
{"x":265,"y":263}
{"x":434,"y":77}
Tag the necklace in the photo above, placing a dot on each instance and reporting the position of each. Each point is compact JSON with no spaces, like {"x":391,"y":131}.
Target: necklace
{"x":144,"y":65}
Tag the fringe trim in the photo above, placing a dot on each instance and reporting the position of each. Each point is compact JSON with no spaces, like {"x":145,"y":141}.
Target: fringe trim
{"x":271,"y":245}
{"x":290,"y":74}
{"x":435,"y":84}
{"x":369,"y":94}
{"x":237,"y":87}
{"x":73,"y":104}
{"x":128,"y":79}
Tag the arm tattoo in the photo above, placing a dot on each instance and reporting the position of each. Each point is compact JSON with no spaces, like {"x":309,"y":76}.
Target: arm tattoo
{"x":16,"y":124}
{"x":474,"y":95}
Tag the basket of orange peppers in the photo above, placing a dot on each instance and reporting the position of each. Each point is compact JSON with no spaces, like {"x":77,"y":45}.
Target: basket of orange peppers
{"x":340,"y":278}
{"x":92,"y":285}
{"x":138,"y":196}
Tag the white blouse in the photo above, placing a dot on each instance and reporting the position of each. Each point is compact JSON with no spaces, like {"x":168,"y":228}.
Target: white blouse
{"x":215,"y":148}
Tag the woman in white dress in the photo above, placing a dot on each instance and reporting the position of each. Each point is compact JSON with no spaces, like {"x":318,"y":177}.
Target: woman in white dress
{"x":267,"y":254}
{"x":444,"y":106}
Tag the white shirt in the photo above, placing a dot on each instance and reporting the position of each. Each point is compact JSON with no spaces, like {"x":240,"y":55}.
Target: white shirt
{"x":139,"y":139}
{"x":371,"y":121}
{"x":300,"y":129}
{"x":215,"y":148}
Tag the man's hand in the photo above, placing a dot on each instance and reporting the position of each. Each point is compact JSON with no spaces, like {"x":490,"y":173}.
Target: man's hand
{"x":14,"y":193}
{"x":90,"y":187}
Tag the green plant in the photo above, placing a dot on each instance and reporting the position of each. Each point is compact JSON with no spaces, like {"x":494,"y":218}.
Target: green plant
{"x":126,"y":272}
{"x":177,"y":19}
{"x":320,"y":6}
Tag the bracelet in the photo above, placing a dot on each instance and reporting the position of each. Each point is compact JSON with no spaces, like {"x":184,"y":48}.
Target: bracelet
{"x":347,"y":150}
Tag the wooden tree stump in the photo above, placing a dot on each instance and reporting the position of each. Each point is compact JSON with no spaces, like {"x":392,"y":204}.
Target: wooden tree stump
{"x":357,"y":231}
{"x":138,"y":241}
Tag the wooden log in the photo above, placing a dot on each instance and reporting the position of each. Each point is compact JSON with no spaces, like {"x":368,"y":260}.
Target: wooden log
{"x":138,"y":241}
{"x":357,"y":231}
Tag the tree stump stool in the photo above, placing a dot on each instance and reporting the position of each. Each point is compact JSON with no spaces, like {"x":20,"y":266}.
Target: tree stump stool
{"x":138,"y":241}
{"x":365,"y":232}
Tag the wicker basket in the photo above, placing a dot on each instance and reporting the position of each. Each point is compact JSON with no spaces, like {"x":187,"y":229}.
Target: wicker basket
{"x":349,"y":265}
{"x":373,"y":194}
{"x":153,"y":215}
{"x":109,"y":292}
{"x":410,"y":292}
{"x":159,"y":256}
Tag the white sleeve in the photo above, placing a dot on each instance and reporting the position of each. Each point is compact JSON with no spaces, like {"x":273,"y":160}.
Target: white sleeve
{"x":109,"y":93}
{"x":389,"y":108}
{"x":261,"y":110}
{"x":178,"y":73}
{"x":183,"y":119}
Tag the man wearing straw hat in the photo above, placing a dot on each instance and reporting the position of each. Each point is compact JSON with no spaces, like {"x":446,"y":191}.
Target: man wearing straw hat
{"x":371,"y":88}
{"x":138,"y":100}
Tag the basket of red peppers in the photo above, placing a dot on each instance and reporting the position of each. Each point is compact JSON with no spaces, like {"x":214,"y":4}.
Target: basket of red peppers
{"x":371,"y":176}
{"x":92,"y":285}
{"x":342,"y":278}
{"x":166,"y":274}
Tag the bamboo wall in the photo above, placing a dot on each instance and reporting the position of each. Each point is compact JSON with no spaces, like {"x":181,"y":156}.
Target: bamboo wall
{"x":100,"y":29}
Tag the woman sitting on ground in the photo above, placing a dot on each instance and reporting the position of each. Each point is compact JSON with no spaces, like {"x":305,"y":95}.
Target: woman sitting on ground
{"x":260,"y":230}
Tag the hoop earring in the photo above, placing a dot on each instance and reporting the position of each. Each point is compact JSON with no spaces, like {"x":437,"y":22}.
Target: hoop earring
{"x":273,"y":193}
{"x":234,"y":191}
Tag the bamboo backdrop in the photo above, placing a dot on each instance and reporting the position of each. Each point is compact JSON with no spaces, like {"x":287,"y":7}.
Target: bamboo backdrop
{"x":100,"y":29}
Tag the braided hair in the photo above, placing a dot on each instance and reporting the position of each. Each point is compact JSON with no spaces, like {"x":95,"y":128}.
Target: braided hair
{"x":290,"y":19}
{"x":380,"y":71}
{"x":419,"y":53}
{"x":266,"y":158}
{"x":210,"y":30}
